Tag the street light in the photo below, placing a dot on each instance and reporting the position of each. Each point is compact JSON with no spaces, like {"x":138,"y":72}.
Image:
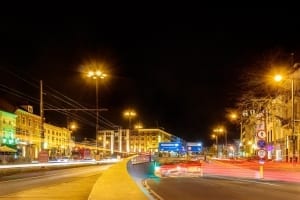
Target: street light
{"x":97,"y":74}
{"x":278,"y":78}
{"x":216,"y":137}
{"x":233,"y":116}
{"x":222,"y":130}
{"x":73,"y":126}
{"x":130,"y":114}
{"x":138,"y":125}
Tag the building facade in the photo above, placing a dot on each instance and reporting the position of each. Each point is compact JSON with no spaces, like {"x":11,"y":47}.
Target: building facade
{"x":280,"y":116}
{"x":23,"y":130}
{"x":126,"y":141}
{"x":7,"y":128}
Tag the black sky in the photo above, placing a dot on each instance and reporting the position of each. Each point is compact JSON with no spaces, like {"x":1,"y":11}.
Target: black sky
{"x":179,"y":71}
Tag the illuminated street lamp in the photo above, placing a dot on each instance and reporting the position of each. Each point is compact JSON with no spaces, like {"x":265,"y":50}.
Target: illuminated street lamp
{"x":279,"y":78}
{"x":96,"y":75}
{"x":221,"y":130}
{"x":73,"y":126}
{"x":129,"y":114}
{"x":215,"y":136}
{"x":233,"y":116}
{"x":138,"y":125}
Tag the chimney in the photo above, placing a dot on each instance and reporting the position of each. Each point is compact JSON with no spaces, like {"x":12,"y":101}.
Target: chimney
{"x":28,"y":108}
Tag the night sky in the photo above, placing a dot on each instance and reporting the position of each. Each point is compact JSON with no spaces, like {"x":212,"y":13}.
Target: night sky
{"x":178,"y":71}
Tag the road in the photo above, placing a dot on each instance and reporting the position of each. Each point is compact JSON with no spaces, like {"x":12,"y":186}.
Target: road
{"x":228,"y":180}
{"x":72,"y":183}
{"x":220,"y":180}
{"x":214,"y":188}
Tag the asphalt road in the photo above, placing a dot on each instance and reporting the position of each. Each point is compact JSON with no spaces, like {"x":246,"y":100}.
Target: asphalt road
{"x":216,"y":188}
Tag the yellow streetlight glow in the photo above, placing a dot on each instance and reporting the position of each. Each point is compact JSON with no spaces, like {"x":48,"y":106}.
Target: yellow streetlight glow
{"x":138,"y":126}
{"x":96,"y":74}
{"x":73,"y":126}
{"x":278,"y":78}
{"x":129,"y":114}
{"x":233,"y":116}
{"x":219,"y":130}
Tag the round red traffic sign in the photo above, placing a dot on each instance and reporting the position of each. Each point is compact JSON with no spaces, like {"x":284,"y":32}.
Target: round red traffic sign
{"x":261,"y":153}
{"x":261,"y":134}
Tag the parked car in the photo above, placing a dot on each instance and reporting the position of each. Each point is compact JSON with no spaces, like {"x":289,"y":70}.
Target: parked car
{"x":62,"y":159}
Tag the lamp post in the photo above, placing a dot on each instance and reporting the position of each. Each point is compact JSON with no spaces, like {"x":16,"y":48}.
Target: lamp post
{"x":293,"y":121}
{"x":97,"y":74}
{"x":129,"y":113}
{"x":222,"y":130}
{"x":72,"y":127}
{"x":216,"y":137}
{"x":234,"y":117}
{"x":241,"y":140}
{"x":293,"y":137}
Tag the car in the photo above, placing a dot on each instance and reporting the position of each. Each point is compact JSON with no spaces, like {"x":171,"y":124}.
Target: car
{"x":182,"y":168}
{"x":63,"y":159}
{"x":109,"y":160}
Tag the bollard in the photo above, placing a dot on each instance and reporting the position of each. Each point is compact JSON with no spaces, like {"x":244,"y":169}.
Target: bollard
{"x":261,"y":171}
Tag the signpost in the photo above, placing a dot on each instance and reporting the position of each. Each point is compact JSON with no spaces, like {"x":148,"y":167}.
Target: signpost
{"x":261,"y":143}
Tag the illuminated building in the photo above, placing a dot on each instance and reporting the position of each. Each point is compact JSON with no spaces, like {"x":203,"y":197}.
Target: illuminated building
{"x":28,"y":132}
{"x":134,"y":141}
{"x":7,"y":128}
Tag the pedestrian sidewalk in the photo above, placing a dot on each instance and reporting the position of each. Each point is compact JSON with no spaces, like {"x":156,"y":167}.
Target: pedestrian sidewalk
{"x":116,"y":184}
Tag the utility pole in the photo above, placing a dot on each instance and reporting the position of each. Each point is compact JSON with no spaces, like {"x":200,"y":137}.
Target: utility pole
{"x":42,"y":115}
{"x":294,"y":65}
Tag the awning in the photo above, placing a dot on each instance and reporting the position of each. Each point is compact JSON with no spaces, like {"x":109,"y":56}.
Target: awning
{"x":7,"y":149}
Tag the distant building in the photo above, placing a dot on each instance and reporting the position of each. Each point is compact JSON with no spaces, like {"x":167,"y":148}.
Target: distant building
{"x":131,"y":141}
{"x":28,"y":132}
{"x":8,"y":129}
{"x":21,"y":129}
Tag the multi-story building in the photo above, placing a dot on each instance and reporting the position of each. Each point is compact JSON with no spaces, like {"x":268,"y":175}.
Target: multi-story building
{"x":147,"y":140}
{"x":23,"y":129}
{"x":57,"y":140}
{"x":28,"y":132}
{"x":30,"y":136}
{"x":132,"y":141}
{"x":7,"y":128}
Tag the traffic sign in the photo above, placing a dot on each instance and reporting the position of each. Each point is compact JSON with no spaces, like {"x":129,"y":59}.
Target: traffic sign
{"x":261,"y":134}
{"x":261,"y":153}
{"x":261,"y":143}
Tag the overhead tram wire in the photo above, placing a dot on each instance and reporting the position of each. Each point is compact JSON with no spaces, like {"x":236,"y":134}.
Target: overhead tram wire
{"x":18,"y":93}
{"x":54,"y":93}
{"x":31,"y":99}
{"x":81,"y":107}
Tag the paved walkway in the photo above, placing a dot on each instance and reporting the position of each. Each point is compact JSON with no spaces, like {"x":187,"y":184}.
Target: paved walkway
{"x":116,"y":184}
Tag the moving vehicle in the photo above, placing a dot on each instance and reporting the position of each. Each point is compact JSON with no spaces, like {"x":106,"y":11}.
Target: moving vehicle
{"x":178,"y":168}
